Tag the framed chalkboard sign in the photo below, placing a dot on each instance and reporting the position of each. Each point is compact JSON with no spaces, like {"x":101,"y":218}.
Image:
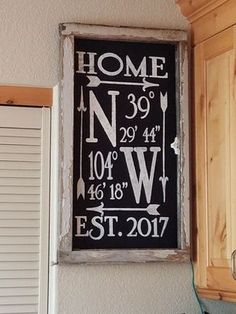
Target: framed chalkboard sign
{"x":124,"y":145}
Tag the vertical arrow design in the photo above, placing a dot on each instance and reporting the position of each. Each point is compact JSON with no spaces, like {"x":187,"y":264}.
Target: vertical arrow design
{"x":80,"y":183}
{"x":163,"y":178}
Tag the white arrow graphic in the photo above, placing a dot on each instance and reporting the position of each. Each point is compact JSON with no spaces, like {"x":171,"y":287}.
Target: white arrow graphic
{"x":94,"y":81}
{"x":151,"y":209}
{"x":163,"y":179}
{"x":80,"y":183}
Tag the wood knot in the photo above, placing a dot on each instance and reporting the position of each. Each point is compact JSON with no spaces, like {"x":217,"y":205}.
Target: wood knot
{"x":9,"y":101}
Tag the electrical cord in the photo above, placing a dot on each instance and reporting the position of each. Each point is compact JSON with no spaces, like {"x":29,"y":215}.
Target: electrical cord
{"x":195,"y":292}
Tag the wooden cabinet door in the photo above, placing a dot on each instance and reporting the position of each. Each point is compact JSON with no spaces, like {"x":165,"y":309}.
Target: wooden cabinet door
{"x":215,"y":162}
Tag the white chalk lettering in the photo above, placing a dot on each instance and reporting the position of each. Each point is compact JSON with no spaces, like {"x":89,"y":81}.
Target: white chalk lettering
{"x":151,"y":66}
{"x":109,"y":128}
{"x":156,"y":66}
{"x":80,"y":224}
{"x":110,"y":55}
{"x":144,"y":179}
{"x":130,"y":67}
{"x":82,"y":64}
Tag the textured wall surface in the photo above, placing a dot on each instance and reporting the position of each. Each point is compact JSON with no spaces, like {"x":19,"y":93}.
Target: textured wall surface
{"x":29,"y":50}
{"x":29,"y":30}
{"x":160,"y":288}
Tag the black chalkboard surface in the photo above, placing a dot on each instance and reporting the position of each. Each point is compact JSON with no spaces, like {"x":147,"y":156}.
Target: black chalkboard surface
{"x":125,"y":157}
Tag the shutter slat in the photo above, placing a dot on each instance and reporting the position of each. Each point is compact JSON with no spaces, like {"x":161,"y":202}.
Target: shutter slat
{"x":19,"y":240}
{"x":19,"y":309}
{"x":19,"y":149}
{"x":19,"y":182}
{"x":19,"y":231}
{"x":16,"y":132}
{"x":18,"y":291}
{"x":19,"y":165}
{"x":15,"y":300}
{"x":17,"y":283}
{"x":19,"y":257}
{"x":19,"y":248}
{"x":19,"y":198}
{"x":19,"y":274}
{"x":19,"y":190}
{"x":13,"y":140}
{"x":19,"y":215}
{"x":19,"y":265}
{"x":19,"y":173}
{"x":19,"y":206}
{"x":19,"y":223}
{"x":19,"y":157}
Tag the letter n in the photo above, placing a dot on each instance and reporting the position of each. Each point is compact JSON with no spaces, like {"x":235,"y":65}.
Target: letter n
{"x":96,"y":109}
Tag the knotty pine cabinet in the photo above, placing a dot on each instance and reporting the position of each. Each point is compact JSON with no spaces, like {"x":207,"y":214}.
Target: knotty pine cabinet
{"x":213,"y":33}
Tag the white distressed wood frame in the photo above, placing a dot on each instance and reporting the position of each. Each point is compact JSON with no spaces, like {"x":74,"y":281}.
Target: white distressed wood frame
{"x":68,"y":32}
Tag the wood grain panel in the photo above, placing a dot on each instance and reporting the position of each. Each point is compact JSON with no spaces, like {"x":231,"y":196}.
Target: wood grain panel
{"x":221,"y":278}
{"x":218,"y":157}
{"x":208,"y":17}
{"x":232,"y":134}
{"x":218,"y":44}
{"x":217,"y":295}
{"x":214,"y":40}
{"x":214,"y":22}
{"x":215,"y":170}
{"x":193,"y":8}
{"x":27,"y":96}
{"x":200,"y":187}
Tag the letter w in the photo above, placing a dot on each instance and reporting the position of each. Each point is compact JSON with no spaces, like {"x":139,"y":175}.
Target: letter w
{"x":144,"y":179}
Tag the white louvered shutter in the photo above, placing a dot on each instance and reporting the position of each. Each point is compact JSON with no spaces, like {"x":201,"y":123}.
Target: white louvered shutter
{"x":24,"y":209}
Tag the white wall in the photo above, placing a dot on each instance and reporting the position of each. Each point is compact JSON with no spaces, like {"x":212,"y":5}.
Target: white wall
{"x":30,"y":38}
{"x":29,"y":55}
